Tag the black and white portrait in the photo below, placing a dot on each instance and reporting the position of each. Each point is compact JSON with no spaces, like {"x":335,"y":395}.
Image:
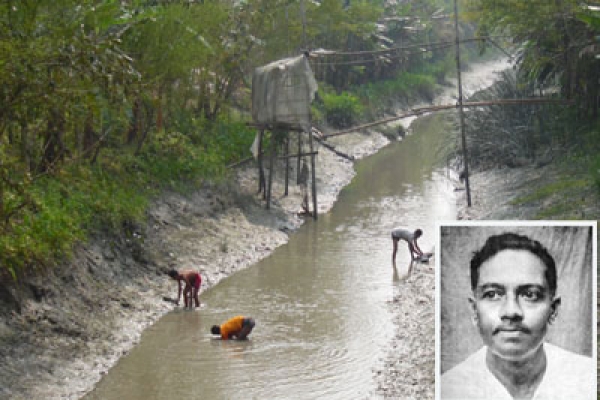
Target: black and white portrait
{"x":516,"y":310}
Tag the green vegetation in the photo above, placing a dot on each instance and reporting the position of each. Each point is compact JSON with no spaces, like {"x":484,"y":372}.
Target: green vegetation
{"x":383,"y":95}
{"x":560,"y":188}
{"x":557,"y":47}
{"x":564,"y":198}
{"x":558,"y":58}
{"x":56,"y":211}
{"x":342,"y":110}
{"x":107,"y":103}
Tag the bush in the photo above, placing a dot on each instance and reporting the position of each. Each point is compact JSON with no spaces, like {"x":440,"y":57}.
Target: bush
{"x":383,"y":96}
{"x":343,"y":110}
{"x":55,"y":212}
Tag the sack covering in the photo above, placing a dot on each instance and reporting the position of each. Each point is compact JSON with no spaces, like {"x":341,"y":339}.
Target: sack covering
{"x":282,"y":92}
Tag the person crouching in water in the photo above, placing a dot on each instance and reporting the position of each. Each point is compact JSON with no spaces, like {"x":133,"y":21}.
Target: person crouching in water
{"x":192,"y":280}
{"x":237,"y":327}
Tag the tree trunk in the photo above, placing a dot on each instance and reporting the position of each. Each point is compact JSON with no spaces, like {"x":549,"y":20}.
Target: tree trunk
{"x":54,"y":147}
{"x":89,"y":136}
{"x":159,"y":109}
{"x":25,"y":145}
{"x":136,"y":121}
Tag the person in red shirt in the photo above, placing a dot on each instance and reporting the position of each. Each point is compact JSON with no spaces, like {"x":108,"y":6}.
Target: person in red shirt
{"x":192,"y":280}
{"x":238,"y":327}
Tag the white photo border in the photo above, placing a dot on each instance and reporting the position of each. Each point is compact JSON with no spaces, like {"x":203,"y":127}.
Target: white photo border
{"x":510,"y":223}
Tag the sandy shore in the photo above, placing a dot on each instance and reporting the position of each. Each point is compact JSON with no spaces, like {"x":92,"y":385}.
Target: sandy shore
{"x":60,"y":333}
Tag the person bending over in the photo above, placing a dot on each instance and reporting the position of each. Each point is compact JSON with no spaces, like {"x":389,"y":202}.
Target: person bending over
{"x":192,"y":280}
{"x":238,"y":327}
{"x":410,"y":238}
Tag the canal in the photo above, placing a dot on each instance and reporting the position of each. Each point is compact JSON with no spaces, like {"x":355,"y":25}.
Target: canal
{"x":320,"y":302}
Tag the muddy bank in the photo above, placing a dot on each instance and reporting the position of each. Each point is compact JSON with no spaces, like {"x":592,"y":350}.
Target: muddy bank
{"x":409,"y":369}
{"x":499,"y":193}
{"x":61,"y":332}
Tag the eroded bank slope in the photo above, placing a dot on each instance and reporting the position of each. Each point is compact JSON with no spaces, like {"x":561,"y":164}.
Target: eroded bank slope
{"x":61,"y":331}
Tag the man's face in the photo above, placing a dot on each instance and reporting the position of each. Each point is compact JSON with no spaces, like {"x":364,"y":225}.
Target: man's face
{"x":512,"y":303}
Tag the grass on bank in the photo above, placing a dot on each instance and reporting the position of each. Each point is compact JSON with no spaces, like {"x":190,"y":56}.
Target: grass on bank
{"x":573,"y":190}
{"x":574,"y":194}
{"x":56,"y":211}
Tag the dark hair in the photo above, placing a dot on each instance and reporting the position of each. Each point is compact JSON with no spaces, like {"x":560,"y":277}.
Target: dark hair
{"x":173,"y":273}
{"x":215,"y":330}
{"x":512,"y":241}
{"x":418,"y":233}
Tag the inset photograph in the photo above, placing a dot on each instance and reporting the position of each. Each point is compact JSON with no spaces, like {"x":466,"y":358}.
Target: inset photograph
{"x":516,"y":310}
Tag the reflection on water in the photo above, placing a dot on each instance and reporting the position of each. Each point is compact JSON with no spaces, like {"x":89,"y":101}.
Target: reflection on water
{"x":320,"y":302}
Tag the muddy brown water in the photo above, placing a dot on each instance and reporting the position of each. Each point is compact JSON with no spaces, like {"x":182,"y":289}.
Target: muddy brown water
{"x":320,"y":302}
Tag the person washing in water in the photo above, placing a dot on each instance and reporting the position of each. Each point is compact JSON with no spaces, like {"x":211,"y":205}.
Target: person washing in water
{"x":410,"y":238}
{"x":192,"y":280}
{"x":236,"y":328}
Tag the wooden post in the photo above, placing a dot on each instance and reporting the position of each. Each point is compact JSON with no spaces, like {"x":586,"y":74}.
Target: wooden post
{"x":271,"y":166}
{"x":314,"y":175}
{"x":299,"y":160}
{"x":261,"y":171}
{"x":287,"y":163}
{"x":461,"y":111}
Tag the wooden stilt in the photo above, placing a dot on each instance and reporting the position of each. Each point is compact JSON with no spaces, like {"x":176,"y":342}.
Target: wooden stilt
{"x":287,"y":163}
{"x":271,"y":169}
{"x":314,"y":175}
{"x":261,"y":171}
{"x":299,"y":160}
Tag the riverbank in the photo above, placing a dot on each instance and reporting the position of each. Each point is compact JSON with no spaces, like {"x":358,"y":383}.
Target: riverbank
{"x":560,"y":190}
{"x":409,"y":369}
{"x":75,"y":323}
{"x":60,"y":333}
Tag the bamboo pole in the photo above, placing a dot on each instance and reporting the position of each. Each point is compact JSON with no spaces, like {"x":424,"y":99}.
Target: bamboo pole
{"x":271,"y":172}
{"x":287,"y":164}
{"x":298,"y":162}
{"x":298,"y":155}
{"x":426,"y":110}
{"x":461,"y":111}
{"x":261,"y":171}
{"x":314,"y":175}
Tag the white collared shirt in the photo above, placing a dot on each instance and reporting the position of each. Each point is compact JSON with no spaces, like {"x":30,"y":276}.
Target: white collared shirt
{"x":567,"y":376}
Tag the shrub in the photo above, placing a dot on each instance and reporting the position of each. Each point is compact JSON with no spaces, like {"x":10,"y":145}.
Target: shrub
{"x":343,"y":110}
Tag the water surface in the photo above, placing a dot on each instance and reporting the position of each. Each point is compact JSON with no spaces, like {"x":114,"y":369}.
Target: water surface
{"x":320,"y":302}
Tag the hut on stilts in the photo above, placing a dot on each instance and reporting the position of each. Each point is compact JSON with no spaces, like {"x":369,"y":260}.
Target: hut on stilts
{"x":281,"y":95}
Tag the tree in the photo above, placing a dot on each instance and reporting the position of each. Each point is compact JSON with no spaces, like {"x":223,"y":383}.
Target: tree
{"x":551,"y":38}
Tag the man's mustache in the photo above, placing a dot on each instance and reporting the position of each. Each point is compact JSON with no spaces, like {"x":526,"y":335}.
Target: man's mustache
{"x":511,"y":328}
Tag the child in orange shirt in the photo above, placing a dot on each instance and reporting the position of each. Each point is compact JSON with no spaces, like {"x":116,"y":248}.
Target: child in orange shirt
{"x":237,"y":327}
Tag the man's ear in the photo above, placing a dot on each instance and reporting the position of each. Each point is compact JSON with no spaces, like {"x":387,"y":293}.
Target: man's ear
{"x":474,"y":316}
{"x":555,"y":305}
